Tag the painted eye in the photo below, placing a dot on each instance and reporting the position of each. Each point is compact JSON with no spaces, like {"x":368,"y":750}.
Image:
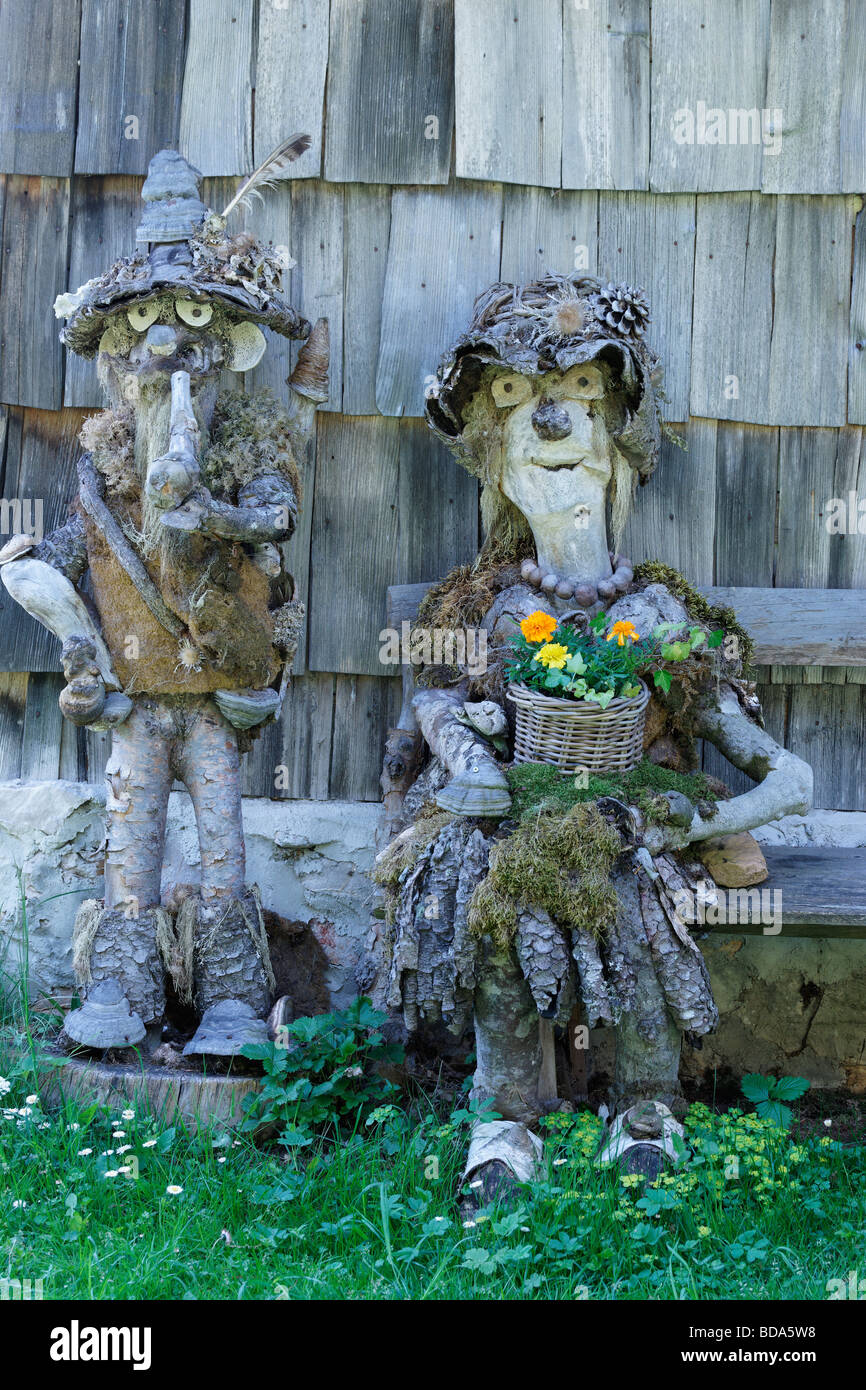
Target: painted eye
{"x":193,"y":313}
{"x":111,"y":341}
{"x":141,"y":316}
{"x":248,"y":344}
{"x":583,"y":383}
{"x":510,"y":388}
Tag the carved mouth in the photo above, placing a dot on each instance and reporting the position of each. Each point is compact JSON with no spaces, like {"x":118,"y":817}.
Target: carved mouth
{"x":555,"y":465}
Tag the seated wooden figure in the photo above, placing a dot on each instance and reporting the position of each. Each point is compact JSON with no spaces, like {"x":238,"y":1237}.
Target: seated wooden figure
{"x":185,"y":493}
{"x":507,"y":918}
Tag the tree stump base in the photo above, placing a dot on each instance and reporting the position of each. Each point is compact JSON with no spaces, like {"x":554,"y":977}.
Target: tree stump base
{"x":187,"y":1094}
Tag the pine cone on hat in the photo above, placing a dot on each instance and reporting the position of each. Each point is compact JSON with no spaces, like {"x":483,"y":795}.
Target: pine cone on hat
{"x":623,"y":310}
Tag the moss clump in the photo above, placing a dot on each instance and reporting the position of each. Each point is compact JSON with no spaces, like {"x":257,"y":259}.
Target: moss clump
{"x":698,"y":608}
{"x":249,"y":438}
{"x":541,"y":787}
{"x":403,"y":853}
{"x":559,"y":860}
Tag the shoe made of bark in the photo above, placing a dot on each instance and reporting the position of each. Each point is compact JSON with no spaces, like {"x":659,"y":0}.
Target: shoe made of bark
{"x":225,"y":1028}
{"x":647,"y":1159}
{"x":105,"y":1019}
{"x":648,"y":1125}
{"x":490,"y":1182}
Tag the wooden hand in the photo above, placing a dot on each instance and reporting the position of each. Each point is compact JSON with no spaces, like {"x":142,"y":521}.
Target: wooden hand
{"x":267,"y":511}
{"x":83,"y":699}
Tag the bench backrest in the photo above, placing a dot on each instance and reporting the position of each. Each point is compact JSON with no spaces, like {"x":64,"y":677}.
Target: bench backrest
{"x":793,"y":627}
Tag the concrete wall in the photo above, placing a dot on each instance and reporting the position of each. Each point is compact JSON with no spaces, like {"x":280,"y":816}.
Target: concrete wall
{"x":792,"y":1004}
{"x":307,"y":857}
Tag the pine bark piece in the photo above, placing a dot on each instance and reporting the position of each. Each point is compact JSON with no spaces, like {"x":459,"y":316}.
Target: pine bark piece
{"x":597,"y":1001}
{"x":473,"y":867}
{"x":231,"y":959}
{"x":544,"y":959}
{"x":402,"y":988}
{"x":435,"y":916}
{"x":109,"y":944}
{"x":65,"y":549}
{"x":433,"y":968}
{"x":681,"y":971}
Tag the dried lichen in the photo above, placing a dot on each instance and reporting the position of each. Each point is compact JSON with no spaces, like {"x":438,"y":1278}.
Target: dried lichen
{"x":109,"y":438}
{"x":403,"y":853}
{"x":288,"y":621}
{"x":560,"y":861}
{"x":250,"y":437}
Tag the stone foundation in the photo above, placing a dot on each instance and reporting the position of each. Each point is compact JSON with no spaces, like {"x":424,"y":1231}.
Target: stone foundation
{"x":793,"y":1005}
{"x":307,"y":857}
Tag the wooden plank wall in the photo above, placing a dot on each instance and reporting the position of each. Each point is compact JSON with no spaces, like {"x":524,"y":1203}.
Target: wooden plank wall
{"x":713,"y":153}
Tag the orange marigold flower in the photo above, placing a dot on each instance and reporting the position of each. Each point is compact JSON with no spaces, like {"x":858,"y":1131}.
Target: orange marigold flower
{"x":538,"y":627}
{"x":621,"y":631}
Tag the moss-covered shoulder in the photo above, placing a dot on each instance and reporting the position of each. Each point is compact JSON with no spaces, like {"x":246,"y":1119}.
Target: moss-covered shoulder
{"x":698,"y":607}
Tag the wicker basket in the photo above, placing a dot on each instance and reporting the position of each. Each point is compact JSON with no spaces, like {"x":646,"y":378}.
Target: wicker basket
{"x":577,"y":734}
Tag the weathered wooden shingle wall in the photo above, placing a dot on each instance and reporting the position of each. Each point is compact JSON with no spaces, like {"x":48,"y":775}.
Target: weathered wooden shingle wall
{"x":713,"y":152}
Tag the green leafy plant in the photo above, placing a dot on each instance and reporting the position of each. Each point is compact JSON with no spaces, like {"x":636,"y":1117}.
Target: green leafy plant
{"x":322,"y":1071}
{"x":770,"y":1093}
{"x":558,"y":660}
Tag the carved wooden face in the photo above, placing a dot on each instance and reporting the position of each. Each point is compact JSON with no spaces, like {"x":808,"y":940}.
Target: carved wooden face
{"x":556,"y":448}
{"x":155,"y":337}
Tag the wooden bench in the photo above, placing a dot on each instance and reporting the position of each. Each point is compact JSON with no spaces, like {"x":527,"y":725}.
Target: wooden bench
{"x":823,"y":890}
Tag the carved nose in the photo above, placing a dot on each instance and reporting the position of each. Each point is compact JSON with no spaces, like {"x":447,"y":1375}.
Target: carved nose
{"x":161,"y":339}
{"x":551,"y":421}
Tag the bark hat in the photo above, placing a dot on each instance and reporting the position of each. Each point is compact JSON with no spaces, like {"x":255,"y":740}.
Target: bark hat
{"x":550,"y":325}
{"x":185,"y":249}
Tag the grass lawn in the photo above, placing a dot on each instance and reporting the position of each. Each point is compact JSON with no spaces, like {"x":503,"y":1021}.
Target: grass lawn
{"x":753,"y":1212}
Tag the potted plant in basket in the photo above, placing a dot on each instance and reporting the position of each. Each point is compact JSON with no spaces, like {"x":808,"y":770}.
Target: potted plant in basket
{"x":580,"y":697}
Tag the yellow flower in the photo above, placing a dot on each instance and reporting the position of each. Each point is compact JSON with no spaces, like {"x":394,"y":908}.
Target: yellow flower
{"x":538,"y":627}
{"x":703,"y":1230}
{"x":552,"y":654}
{"x":621,"y":631}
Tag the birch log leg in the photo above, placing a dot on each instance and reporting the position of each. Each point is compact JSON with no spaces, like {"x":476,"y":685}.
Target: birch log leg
{"x":208,"y":763}
{"x":511,"y":1073}
{"x":231,"y":959}
{"x":648,"y":1041}
{"x":478,"y":786}
{"x":122,"y":943}
{"x":138,"y":781}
